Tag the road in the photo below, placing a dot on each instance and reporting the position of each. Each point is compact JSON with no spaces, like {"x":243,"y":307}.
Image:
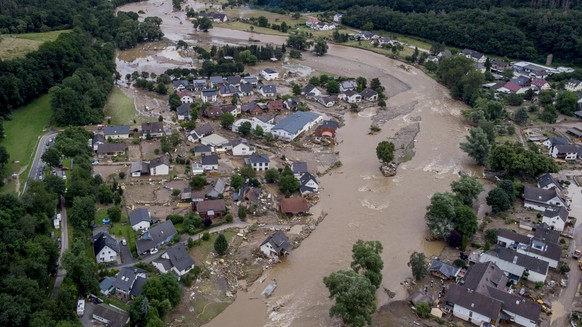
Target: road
{"x":61,"y":273}
{"x":37,"y":161}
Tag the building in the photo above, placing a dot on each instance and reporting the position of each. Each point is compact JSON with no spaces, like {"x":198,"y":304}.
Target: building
{"x":110,"y":315}
{"x":369,"y":95}
{"x":349,"y":85}
{"x":160,"y":166}
{"x":351,"y":96}
{"x":202,"y":150}
{"x":538,"y":247}
{"x":327,"y":101}
{"x":276,"y":245}
{"x":209,"y":95}
{"x":310,"y":90}
{"x":474,"y":55}
{"x":140,"y":219}
{"x":175,"y":260}
{"x":517,"y":265}
{"x":565,"y":151}
{"x":267,"y":90}
{"x":246,"y":89}
{"x":106,"y":248}
{"x":241,"y":148}
{"x":337,"y":18}
{"x":291,"y":126}
{"x":269,"y":74}
{"x":210,"y":162}
{"x":574,"y":85}
{"x":293,"y":206}
{"x":156,"y":236}
{"x":214,"y":140}
{"x":217,"y":189}
{"x":199,"y":132}
{"x":97,"y":140}
{"x":116,"y":132}
{"x":556,"y":218}
{"x":183,"y":112}
{"x":308,"y":184}
{"x":110,"y":149}
{"x":210,"y":209}
{"x":258,"y":161}
{"x":129,"y":282}
{"x":299,"y":168}
{"x":547,"y":181}
{"x":540,"y":199}
{"x":442,"y":270}
{"x":215,"y":17}
{"x":155,"y":129}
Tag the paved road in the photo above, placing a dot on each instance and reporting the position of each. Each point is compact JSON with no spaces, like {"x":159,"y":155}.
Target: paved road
{"x":36,"y":162}
{"x":61,"y":273}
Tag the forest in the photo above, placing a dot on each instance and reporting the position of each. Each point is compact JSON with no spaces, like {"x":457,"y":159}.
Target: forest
{"x":507,"y":28}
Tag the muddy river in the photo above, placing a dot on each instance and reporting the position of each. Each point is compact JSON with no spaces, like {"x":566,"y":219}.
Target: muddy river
{"x":359,"y":201}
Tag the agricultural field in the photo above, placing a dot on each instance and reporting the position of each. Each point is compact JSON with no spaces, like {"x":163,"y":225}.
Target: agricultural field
{"x":18,"y":45}
{"x":120,"y":108}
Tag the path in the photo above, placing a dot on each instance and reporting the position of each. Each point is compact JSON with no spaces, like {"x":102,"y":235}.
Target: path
{"x":61,"y":272}
{"x":36,"y":162}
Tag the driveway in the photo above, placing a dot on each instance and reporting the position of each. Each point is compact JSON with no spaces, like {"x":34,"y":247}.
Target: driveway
{"x":126,"y":256}
{"x":87,"y":320}
{"x":37,"y":162}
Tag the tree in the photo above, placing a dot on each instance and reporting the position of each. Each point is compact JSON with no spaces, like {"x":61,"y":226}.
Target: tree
{"x":104,"y":194}
{"x":284,"y":27}
{"x":258,"y":131}
{"x":115,"y":214}
{"x":248,"y":172}
{"x":198,"y":182}
{"x":509,"y":188}
{"x":417,"y":264}
{"x":513,"y":99}
{"x":366,"y":260}
{"x":52,"y":156}
{"x":498,"y":200}
{"x":332,"y":87}
{"x":440,"y":214}
{"x":221,"y":244}
{"x":477,"y":145}
{"x":297,"y":41}
{"x":520,"y":116}
{"x":320,"y":47}
{"x":376,"y":85}
{"x":203,"y":24}
{"x":242,"y":213}
{"x":288,"y":184}
{"x":54,"y":184}
{"x":355,"y":298}
{"x":296,"y":89}
{"x":245,"y":128}
{"x":385,"y":152}
{"x":491,"y":236}
{"x":271,"y":175}
{"x":362,"y":83}
{"x":226,"y":120}
{"x":454,"y":239}
{"x":81,"y":268}
{"x":549,"y":114}
{"x":236,"y":181}
{"x":566,"y":102}
{"x":466,"y":189}
{"x":82,"y":212}
{"x":174,"y":101}
{"x":465,"y":220}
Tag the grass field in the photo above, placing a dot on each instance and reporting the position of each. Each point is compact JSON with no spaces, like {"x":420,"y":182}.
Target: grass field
{"x":18,"y":45}
{"x":120,"y":108}
{"x":273,"y":18}
{"x":21,"y":136}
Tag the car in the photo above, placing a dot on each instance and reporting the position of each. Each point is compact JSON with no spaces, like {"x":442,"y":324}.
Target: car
{"x":59,"y":243}
{"x":95,"y":162}
{"x":153,"y":251}
{"x":123,"y":242}
{"x":577,"y":254}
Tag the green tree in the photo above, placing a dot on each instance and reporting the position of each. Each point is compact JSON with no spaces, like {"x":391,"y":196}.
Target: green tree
{"x":509,"y":188}
{"x":138,"y":311}
{"x":174,"y":101}
{"x":248,"y":172}
{"x":104,"y":194}
{"x":161,"y":88}
{"x":520,"y":117}
{"x":115,"y":214}
{"x":258,"y":131}
{"x":203,"y":24}
{"x":362,"y":83}
{"x":288,"y":184}
{"x":566,"y":102}
{"x":332,"y":87}
{"x":297,"y":41}
{"x":466,"y":189}
{"x":491,"y":236}
{"x":385,"y":152}
{"x":499,"y":200}
{"x":320,"y":47}
{"x":245,"y":128}
{"x":477,"y":145}
{"x":284,"y":27}
{"x":221,"y":244}
{"x":226,"y":120}
{"x":242,"y":213}
{"x":198,"y":182}
{"x":82,"y":212}
{"x":549,"y":114}
{"x":366,"y":260}
{"x":355,"y":297}
{"x":440,"y":214}
{"x":417,"y":264}
{"x":262,"y":21}
{"x":163,"y":292}
{"x":465,"y":220}
{"x":81,"y":268}
{"x":54,"y":184}
{"x":296,"y":89}
{"x":236,"y":181}
{"x":272,"y":175}
{"x":52,"y":156}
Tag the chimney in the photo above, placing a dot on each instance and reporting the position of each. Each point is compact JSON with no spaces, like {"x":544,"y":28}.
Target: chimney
{"x":515,"y":259}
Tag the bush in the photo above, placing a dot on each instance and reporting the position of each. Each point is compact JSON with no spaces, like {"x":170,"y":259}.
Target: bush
{"x":190,"y":244}
{"x":221,"y":244}
{"x":206,"y":236}
{"x":491,"y":236}
{"x":564,"y":268}
{"x":242,"y":213}
{"x":207,"y":222}
{"x":459,"y":263}
{"x":175,"y":219}
{"x":423,"y":310}
{"x":121,"y":175}
{"x":538,"y":285}
{"x":228,"y":218}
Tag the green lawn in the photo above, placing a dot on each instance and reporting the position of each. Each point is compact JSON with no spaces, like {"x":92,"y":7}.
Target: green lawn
{"x":18,"y":45}
{"x":201,"y":251}
{"x":369,"y":46}
{"x":21,"y":136}
{"x":120,"y":108}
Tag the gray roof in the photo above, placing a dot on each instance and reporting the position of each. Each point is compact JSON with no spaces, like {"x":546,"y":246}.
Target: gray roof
{"x":295,"y":122}
{"x":111,"y":147}
{"x":140,"y":166}
{"x":559,"y":141}
{"x":102,"y":240}
{"x":233,"y":79}
{"x":208,"y":93}
{"x":308,"y":88}
{"x":115,"y":130}
{"x":251,"y":79}
{"x":106,"y":283}
{"x":211,"y":205}
{"x":115,"y":316}
{"x":522,"y":260}
{"x":560,"y":212}
{"x":183,"y":110}
{"x":139,"y":215}
{"x":535,"y":194}
{"x":258,"y":158}
{"x":202,"y":149}
{"x":567,"y":148}
{"x":483,"y":275}
{"x":443,"y":268}
{"x":179,"y":257}
{"x":330,"y":124}
{"x":299,"y":167}
{"x":162,"y":160}
{"x":269,"y":70}
{"x":474,"y":301}
{"x":547,"y":179}
{"x":216,"y":79}
{"x":210,"y":160}
{"x":178,"y":82}
{"x":153,"y":127}
{"x":218,"y":188}
{"x":351,"y":84}
{"x":513,"y":236}
{"x":203,"y":130}
{"x":138,"y":286}
{"x":517,"y":304}
{"x":279,"y":242}
{"x":366,"y":93}
{"x":419,"y":296}
{"x":155,"y":236}
{"x":547,"y":235}
{"x":268,"y":88}
{"x":125,"y":279}
{"x":549,"y":250}
{"x":472,"y":53}
{"x":246,"y":88}
{"x":98,"y":138}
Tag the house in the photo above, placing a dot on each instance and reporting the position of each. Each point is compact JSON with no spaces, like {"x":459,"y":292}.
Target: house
{"x":327,"y":101}
{"x":176,"y":260}
{"x":310,"y":90}
{"x":291,"y":103}
{"x":474,"y":55}
{"x":547,"y":181}
{"x":366,"y":35}
{"x":155,"y":129}
{"x":275,"y":105}
{"x":209,"y":95}
{"x":419,"y":296}
{"x":517,"y":265}
{"x":553,"y":141}
{"x":573,"y":85}
{"x":106,"y":285}
{"x":321,"y":26}
{"x":308,"y":184}
{"x":327,"y":129}
{"x":213,"y":112}
{"x":214,"y":140}
{"x":216,"y":81}
{"x":351,"y":96}
{"x":196,"y":168}
{"x":209,"y":209}
{"x":511,"y":87}
{"x":110,"y":315}
{"x":199,"y":132}
{"x":349,"y":85}
{"x":516,"y":309}
{"x":185,"y":97}
{"x":267,"y":90}
{"x":575,"y":131}
{"x":269,"y":74}
{"x":97,"y":140}
{"x":129,"y":282}
{"x":252,"y":108}
{"x":258,"y":161}
{"x":210,"y":162}
{"x":199,"y":84}
{"x":298,"y":169}
{"x":537,"y":247}
{"x":293,"y":206}
{"x":499,"y":65}
{"x":565,"y":151}
{"x":241,"y":148}
{"x":106,"y":248}
{"x":202,"y":150}
{"x":276,"y":245}
{"x":337,"y":18}
{"x":156,"y":236}
{"x":139,"y":168}
{"x":442,"y":270}
{"x":186,"y":194}
{"x":233,"y":80}
{"x":444,"y":54}
{"x":215,"y":17}
{"x":540,"y":84}
{"x":471,"y":306}
{"x":246,"y":89}
{"x":291,"y":126}
{"x":523,"y":81}
{"x":539,"y":199}
{"x":116,"y":132}
{"x":248,"y":193}
{"x":217,"y":189}
{"x":386,"y":40}
{"x":140,"y":219}
{"x":160,"y":166}
{"x":369,"y":95}
{"x":231,"y":109}
{"x":110,"y":149}
{"x":180,"y":84}
{"x":183,"y":112}
{"x":530,"y":69}
{"x":252,"y":80}
{"x":227,"y":90}
{"x":555,"y":218}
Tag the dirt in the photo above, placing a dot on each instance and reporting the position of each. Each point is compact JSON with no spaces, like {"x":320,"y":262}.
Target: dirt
{"x":148,"y":149}
{"x":399,"y":313}
{"x":391,"y":112}
{"x":106,"y":170}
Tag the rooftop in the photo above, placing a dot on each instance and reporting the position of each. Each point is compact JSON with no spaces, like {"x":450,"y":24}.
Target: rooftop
{"x":296,"y":121}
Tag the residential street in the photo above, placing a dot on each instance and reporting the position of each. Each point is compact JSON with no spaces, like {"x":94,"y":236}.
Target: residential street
{"x":36,"y":162}
{"x":61,"y":273}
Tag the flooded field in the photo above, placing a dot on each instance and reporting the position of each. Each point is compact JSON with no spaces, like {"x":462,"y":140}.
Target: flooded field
{"x":359,"y":202}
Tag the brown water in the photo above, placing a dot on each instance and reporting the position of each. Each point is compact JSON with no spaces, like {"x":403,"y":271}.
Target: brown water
{"x":359,"y":201}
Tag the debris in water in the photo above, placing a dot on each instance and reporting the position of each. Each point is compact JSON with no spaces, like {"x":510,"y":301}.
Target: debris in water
{"x":269,"y":289}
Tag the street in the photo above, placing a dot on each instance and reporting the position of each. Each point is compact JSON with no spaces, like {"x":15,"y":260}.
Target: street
{"x":61,"y":273}
{"x":37,"y":161}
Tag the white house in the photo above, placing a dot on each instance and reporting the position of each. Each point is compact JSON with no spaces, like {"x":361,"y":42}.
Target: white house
{"x":269,"y":74}
{"x":140,"y":219}
{"x":176,"y":259}
{"x":530,"y":246}
{"x":185,"y":96}
{"x":349,"y":85}
{"x":291,"y":126}
{"x":153,"y":129}
{"x":242,"y":148}
{"x":196,"y":168}
{"x":139,"y":168}
{"x":116,"y":132}
{"x":539,"y":199}
{"x":555,"y":218}
{"x":210,"y":162}
{"x":106,"y":248}
{"x":276,"y":245}
{"x":310,"y":90}
{"x":209,"y":95}
{"x":258,"y":161}
{"x":308,"y":184}
{"x":351,"y":96}
{"x":337,"y":18}
{"x":517,"y":265}
{"x":472,"y":306}
{"x":254,"y":123}
{"x":565,"y":151}
{"x":327,"y":101}
{"x":267,"y":90}
{"x":160,"y":166}
{"x":183,"y":112}
{"x":547,"y":181}
{"x":574,"y":85}
{"x":474,"y":55}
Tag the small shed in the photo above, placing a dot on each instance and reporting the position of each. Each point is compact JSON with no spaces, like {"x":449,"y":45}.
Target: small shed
{"x":418,"y":297}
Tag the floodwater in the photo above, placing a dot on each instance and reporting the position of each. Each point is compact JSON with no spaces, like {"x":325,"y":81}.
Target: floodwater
{"x":359,"y":202}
